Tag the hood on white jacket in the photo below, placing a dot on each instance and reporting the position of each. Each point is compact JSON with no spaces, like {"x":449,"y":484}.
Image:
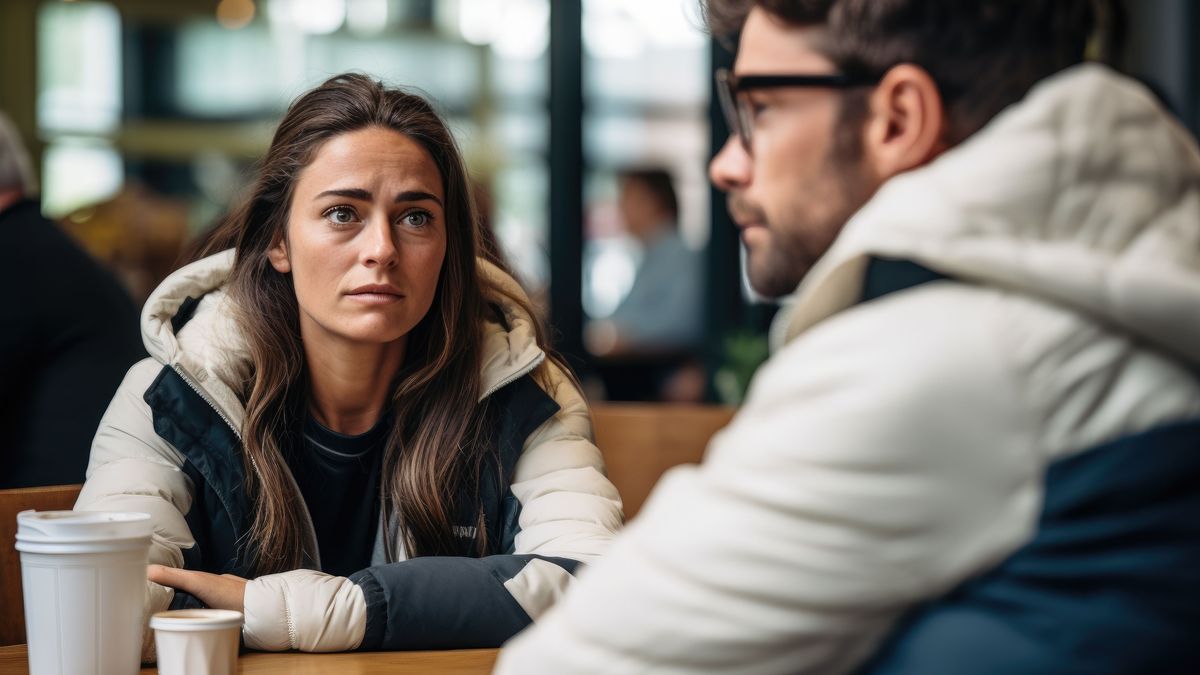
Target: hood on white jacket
{"x":1085,"y":194}
{"x":211,"y":353}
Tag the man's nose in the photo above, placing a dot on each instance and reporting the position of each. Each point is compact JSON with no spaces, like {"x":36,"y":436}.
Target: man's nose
{"x":731,"y":168}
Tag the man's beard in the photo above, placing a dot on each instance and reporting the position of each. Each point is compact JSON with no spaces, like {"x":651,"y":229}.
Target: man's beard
{"x":795,"y":245}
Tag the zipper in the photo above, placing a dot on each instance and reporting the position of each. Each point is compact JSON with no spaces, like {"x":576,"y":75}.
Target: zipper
{"x":312,"y":531}
{"x":200,"y":391}
{"x":516,"y":375}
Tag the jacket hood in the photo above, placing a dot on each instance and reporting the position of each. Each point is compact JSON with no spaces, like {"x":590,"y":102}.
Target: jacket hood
{"x":1085,"y":194}
{"x":210,"y":353}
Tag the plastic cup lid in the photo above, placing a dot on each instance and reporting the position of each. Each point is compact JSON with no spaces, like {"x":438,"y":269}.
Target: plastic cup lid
{"x":196,"y":619}
{"x":81,"y":526}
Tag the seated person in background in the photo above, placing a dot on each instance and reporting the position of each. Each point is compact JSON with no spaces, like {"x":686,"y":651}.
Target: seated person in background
{"x":352,"y":411}
{"x":663,"y":308}
{"x":650,"y":342}
{"x":976,"y":448}
{"x":68,"y":334}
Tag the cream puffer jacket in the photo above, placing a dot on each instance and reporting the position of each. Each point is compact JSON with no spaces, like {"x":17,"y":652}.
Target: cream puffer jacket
{"x":169,"y":446}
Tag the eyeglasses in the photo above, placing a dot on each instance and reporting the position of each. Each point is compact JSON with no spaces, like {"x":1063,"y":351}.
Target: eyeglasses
{"x":736,"y":107}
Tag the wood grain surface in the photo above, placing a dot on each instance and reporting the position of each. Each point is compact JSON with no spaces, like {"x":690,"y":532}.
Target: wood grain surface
{"x":12,"y":502}
{"x":640,"y":441}
{"x":14,"y":661}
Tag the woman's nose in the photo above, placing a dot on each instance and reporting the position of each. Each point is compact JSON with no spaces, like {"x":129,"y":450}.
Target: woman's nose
{"x":379,"y":246}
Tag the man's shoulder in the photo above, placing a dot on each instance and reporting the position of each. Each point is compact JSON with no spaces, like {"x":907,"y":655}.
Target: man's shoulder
{"x":918,"y":381}
{"x":942,"y":329}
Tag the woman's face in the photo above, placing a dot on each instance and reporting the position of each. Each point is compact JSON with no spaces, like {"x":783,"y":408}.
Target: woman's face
{"x":366,"y":237}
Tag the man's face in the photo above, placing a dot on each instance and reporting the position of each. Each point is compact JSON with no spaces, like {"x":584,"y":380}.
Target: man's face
{"x":792,"y":192}
{"x":639,"y":209}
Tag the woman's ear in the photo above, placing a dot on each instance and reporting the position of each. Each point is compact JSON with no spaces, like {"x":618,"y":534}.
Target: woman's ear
{"x":278,"y":256}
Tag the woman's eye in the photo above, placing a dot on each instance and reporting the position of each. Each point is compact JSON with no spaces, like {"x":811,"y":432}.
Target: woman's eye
{"x":416,"y":219}
{"x":340,"y":215}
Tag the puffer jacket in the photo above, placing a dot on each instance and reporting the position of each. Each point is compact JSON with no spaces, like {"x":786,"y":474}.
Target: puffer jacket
{"x":976,"y":447}
{"x":169,"y":445}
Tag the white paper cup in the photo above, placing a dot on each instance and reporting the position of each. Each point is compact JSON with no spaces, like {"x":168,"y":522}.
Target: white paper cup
{"x":197,"y":641}
{"x":84,"y":579}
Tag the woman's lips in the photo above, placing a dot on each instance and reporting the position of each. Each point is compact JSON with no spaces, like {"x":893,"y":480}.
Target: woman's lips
{"x":376,"y":294}
{"x":375,"y":298}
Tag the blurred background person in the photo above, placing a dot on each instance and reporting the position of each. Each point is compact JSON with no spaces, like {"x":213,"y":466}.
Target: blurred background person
{"x":663,"y":309}
{"x":649,"y":345}
{"x":69,"y":333}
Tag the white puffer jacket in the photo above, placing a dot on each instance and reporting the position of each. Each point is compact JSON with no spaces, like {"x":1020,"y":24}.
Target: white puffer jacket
{"x":563,"y":509}
{"x":891,"y":450}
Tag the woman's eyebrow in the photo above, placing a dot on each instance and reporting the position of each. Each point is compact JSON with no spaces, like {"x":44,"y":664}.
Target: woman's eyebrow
{"x":416,"y":196}
{"x":365,"y":195}
{"x":349,"y":193}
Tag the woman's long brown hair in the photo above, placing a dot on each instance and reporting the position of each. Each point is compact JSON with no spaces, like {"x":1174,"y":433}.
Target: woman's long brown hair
{"x":434,"y":451}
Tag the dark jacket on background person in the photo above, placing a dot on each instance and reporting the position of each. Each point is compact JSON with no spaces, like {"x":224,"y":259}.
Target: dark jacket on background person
{"x":68,"y":333}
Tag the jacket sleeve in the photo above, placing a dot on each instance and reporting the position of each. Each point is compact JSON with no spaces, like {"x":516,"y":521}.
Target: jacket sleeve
{"x":880,"y":459}
{"x":569,"y":513}
{"x":133,"y":469}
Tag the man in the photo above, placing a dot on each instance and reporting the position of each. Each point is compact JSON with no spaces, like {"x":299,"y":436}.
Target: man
{"x":663,"y":309}
{"x":976,"y":448}
{"x":68,"y":333}
{"x":653,"y":337}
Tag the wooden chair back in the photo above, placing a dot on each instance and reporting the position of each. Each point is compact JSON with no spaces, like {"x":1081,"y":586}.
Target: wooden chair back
{"x":12,"y":502}
{"x":640,"y":441}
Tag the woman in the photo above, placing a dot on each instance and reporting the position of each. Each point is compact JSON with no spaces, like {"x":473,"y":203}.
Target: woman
{"x":351,"y":409}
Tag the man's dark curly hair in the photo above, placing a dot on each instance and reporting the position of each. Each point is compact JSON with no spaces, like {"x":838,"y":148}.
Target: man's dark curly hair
{"x":983,"y":54}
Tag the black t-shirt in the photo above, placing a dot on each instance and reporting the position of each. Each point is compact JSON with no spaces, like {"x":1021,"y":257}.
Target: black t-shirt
{"x":338,"y":477}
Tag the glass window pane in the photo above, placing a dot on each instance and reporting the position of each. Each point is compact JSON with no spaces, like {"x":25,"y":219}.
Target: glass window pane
{"x":212,"y":78}
{"x":645,"y":53}
{"x":79,"y":67}
{"x":446,"y":70}
{"x":521,"y":198}
{"x":78,"y":172}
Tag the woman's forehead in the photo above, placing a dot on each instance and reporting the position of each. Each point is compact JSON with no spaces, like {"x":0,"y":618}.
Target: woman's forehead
{"x":373,"y":157}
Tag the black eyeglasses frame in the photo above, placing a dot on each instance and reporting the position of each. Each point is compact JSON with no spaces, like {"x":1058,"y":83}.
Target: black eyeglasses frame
{"x":737,"y":112}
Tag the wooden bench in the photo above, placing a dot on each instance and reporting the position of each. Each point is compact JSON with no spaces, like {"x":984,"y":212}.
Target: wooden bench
{"x":12,"y":502}
{"x":640,"y":441}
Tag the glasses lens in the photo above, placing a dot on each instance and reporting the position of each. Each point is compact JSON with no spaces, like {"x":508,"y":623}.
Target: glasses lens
{"x":731,"y":108}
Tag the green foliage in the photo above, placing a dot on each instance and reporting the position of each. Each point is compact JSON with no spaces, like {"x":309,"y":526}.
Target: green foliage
{"x":741,"y":355}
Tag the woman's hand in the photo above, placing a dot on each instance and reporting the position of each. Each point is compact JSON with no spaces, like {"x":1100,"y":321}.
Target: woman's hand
{"x":223,"y":591}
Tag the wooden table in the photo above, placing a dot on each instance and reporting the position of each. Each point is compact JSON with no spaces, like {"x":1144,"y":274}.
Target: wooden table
{"x":15,"y":661}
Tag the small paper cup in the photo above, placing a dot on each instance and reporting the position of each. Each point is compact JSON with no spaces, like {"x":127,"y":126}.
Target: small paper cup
{"x":197,"y":641}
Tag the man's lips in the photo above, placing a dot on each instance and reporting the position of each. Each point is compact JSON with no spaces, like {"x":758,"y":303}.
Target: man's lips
{"x":745,"y":215}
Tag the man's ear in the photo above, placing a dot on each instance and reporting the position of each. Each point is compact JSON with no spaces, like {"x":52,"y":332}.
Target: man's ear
{"x":278,"y":256}
{"x":906,"y":124}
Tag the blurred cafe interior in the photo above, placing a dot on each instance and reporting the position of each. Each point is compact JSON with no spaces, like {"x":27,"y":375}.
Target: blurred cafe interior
{"x":144,"y":119}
